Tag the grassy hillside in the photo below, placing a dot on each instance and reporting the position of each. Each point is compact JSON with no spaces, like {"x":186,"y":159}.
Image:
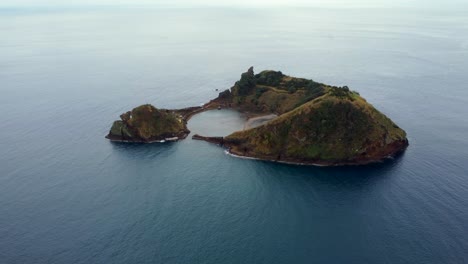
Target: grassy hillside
{"x":338,"y":126}
{"x":271,"y":92}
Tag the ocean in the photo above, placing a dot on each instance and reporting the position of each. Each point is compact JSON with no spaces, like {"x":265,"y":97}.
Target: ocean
{"x":68,"y":195}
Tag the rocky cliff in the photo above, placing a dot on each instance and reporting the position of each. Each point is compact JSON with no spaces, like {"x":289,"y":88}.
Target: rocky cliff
{"x":146,"y":123}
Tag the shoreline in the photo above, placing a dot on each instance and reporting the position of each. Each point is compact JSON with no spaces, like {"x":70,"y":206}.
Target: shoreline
{"x":252,"y":120}
{"x":227,"y":152}
{"x":163,"y":140}
{"x":188,"y":112}
{"x":249,"y":119}
{"x":390,"y":157}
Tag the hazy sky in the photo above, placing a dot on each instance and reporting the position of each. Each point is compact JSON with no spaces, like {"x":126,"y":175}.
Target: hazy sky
{"x":322,"y":3}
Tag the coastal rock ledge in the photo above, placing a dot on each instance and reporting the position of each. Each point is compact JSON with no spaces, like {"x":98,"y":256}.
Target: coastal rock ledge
{"x":316,"y":124}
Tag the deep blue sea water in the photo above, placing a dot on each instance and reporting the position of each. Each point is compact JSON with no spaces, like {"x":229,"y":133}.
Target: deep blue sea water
{"x":68,"y":195}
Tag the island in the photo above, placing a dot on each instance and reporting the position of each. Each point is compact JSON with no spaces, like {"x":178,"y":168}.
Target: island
{"x":147,"y":124}
{"x":302,"y":122}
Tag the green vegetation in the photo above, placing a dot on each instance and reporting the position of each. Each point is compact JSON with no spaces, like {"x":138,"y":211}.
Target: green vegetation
{"x":246,"y":83}
{"x":269,"y":78}
{"x":271,"y":91}
{"x":147,"y":123}
{"x":335,"y":126}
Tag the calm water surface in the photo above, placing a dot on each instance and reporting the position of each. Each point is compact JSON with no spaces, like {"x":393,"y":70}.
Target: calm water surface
{"x":67,"y":195}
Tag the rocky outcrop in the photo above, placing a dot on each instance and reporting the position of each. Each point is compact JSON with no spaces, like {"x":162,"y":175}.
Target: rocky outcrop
{"x":148,"y":124}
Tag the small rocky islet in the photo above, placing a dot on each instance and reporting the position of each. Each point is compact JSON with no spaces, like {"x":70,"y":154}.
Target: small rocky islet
{"x":316,"y":124}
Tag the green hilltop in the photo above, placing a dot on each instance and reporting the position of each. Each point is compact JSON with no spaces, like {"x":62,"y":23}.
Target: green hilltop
{"x":317,"y":123}
{"x":270,"y":92}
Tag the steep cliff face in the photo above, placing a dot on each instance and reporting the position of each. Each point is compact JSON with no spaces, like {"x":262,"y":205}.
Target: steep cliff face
{"x":338,"y":127}
{"x":146,"y":123}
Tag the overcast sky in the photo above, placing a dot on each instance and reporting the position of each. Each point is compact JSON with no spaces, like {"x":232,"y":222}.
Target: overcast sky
{"x":321,"y":3}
